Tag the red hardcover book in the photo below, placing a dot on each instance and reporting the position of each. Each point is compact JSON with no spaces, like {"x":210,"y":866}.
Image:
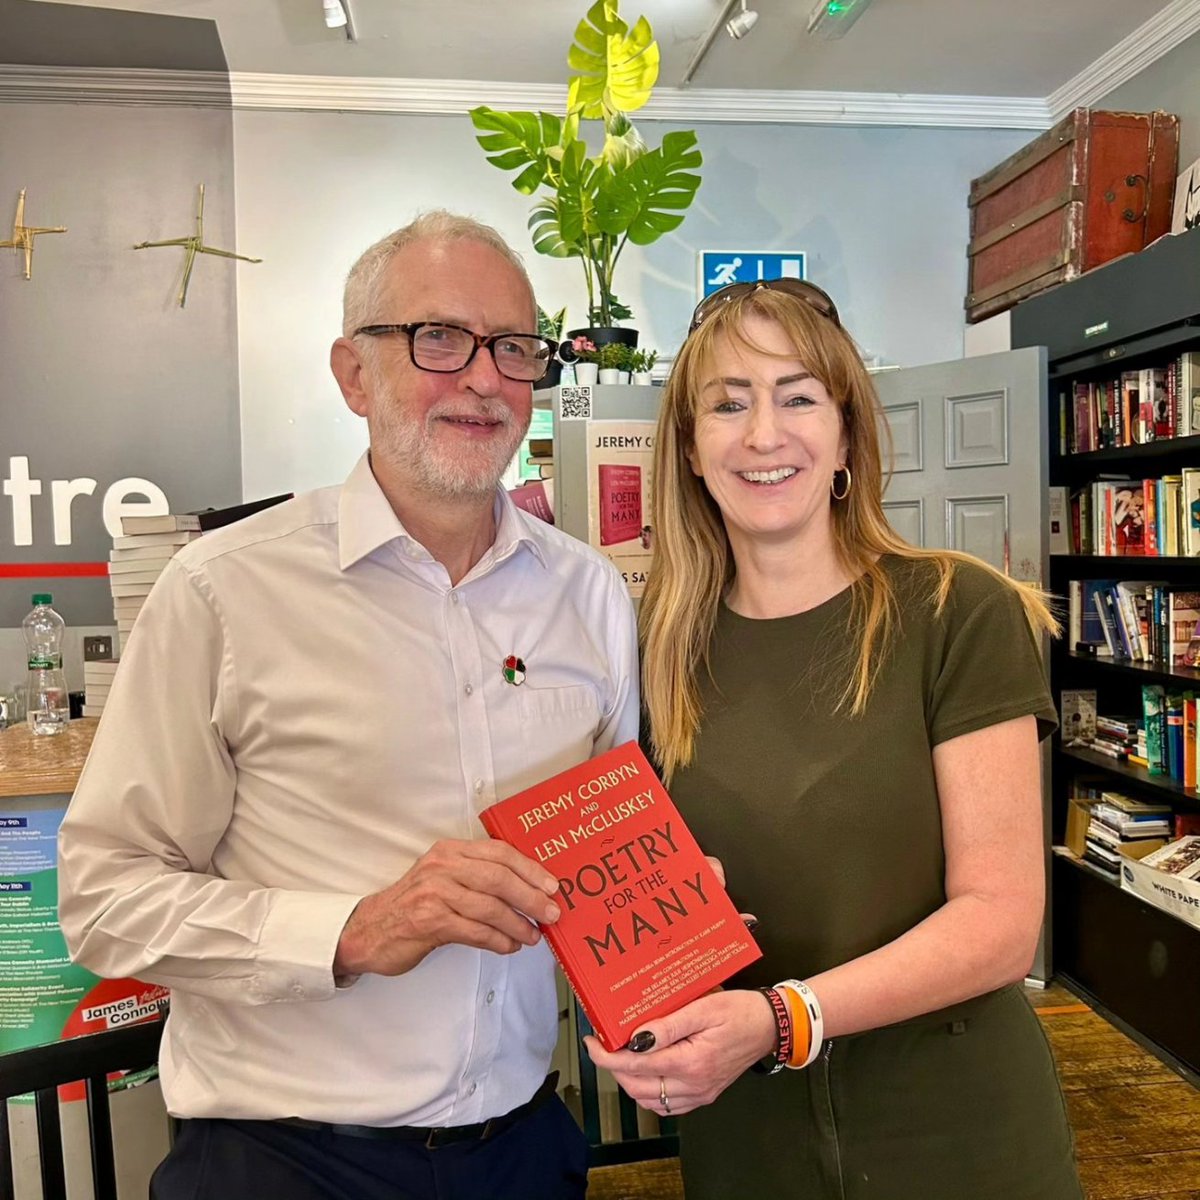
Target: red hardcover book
{"x":536,"y":497}
{"x":645,"y":927}
{"x":620,"y":502}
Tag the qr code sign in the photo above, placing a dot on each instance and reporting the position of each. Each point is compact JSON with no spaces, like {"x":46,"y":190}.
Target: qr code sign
{"x":576,"y":402}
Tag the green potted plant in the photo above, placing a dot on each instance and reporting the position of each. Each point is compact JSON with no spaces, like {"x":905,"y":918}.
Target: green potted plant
{"x":616,"y":360}
{"x":642,"y":364}
{"x":550,"y":325}
{"x":592,"y":206}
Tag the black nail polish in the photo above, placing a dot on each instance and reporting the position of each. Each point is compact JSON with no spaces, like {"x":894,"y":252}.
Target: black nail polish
{"x":751,"y":923}
{"x":641,"y":1041}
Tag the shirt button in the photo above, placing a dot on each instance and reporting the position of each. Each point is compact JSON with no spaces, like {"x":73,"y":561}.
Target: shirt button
{"x":478,"y":787}
{"x":297,"y":989}
{"x":453,"y":597}
{"x":471,"y":1089}
{"x":490,"y":997}
{"x":468,"y":689}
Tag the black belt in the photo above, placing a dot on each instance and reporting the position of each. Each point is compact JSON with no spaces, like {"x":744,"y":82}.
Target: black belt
{"x":436,"y":1136}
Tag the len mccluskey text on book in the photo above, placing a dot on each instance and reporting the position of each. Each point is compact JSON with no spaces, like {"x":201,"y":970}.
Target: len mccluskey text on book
{"x":646,"y":927}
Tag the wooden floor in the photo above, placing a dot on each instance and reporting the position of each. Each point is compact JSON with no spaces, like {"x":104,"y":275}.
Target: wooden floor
{"x":1136,"y":1123}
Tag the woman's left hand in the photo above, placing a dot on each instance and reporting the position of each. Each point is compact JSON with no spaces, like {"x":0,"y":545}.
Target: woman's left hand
{"x":696,"y":1053}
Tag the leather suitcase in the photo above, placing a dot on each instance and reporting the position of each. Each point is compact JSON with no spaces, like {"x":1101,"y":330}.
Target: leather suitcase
{"x":1096,"y":186}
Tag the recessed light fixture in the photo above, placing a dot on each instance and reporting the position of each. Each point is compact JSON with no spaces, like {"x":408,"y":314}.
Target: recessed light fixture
{"x":741,"y":24}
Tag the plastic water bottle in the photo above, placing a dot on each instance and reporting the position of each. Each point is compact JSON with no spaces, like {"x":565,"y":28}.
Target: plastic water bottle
{"x":47,"y":708}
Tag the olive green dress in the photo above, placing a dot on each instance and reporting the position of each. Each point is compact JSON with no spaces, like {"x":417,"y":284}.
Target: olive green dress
{"x":830,"y":832}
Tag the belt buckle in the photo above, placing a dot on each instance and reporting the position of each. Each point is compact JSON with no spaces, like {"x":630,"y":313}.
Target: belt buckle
{"x":489,"y":1128}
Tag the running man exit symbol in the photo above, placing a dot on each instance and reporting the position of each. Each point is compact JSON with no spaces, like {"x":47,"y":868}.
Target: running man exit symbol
{"x":719,"y":268}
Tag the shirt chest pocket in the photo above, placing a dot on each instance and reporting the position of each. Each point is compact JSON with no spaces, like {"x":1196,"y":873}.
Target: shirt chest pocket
{"x":558,"y":727}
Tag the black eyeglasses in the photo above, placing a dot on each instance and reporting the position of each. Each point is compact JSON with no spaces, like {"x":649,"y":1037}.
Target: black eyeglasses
{"x":812,"y":295}
{"x":434,"y":346}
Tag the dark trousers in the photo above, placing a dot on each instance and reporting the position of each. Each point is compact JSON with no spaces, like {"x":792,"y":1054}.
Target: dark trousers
{"x":541,"y":1157}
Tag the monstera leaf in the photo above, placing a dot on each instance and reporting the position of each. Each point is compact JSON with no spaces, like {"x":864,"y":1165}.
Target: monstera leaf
{"x":616,"y":67}
{"x":527,"y":142}
{"x":545,"y":228}
{"x":623,"y":145}
{"x":638,"y":201}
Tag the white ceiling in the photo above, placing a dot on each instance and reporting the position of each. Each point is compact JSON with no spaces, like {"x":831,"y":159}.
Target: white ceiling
{"x":1018,"y":48}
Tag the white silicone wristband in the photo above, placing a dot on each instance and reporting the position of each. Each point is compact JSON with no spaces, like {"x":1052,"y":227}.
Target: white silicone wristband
{"x":816,"y":1023}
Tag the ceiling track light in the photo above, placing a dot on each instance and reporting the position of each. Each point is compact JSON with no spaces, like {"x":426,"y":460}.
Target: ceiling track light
{"x":831,"y":18}
{"x":737,"y":27}
{"x":338,"y":16}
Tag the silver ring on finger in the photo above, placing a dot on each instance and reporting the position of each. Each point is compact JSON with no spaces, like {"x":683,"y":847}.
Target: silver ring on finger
{"x":663,"y":1099}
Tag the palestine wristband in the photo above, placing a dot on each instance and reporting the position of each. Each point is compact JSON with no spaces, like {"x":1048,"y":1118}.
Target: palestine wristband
{"x":812,"y":1006}
{"x":778,"y":1059}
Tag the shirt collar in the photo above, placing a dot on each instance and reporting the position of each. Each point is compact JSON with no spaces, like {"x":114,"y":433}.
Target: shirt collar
{"x":366,"y":521}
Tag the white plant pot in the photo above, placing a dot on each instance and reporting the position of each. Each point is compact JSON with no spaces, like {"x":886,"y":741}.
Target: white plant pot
{"x":610,"y":375}
{"x":622,"y":376}
{"x":642,"y":378}
{"x":585,"y":372}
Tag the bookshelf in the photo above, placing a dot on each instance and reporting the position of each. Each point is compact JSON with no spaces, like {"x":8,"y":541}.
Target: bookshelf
{"x":1137,"y":961}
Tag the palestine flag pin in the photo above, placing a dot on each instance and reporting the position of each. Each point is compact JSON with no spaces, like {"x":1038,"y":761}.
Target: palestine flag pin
{"x":514,"y":670}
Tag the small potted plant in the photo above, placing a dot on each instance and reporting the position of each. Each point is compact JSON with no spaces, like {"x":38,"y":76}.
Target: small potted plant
{"x":550,"y":325}
{"x":642,"y":365}
{"x":583,"y":353}
{"x":615,"y":361}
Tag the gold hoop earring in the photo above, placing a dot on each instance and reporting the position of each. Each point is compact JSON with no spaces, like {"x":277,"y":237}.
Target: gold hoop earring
{"x":833,"y":484}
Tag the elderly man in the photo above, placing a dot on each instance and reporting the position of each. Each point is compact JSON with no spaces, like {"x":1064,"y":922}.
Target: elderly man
{"x":279,"y":815}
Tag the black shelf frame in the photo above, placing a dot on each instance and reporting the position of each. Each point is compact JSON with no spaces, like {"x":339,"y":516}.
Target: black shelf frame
{"x":1138,"y":962}
{"x":1160,"y":787}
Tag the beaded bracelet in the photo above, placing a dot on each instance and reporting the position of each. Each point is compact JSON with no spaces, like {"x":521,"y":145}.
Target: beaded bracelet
{"x":816,"y":1022}
{"x":777,"y":1060}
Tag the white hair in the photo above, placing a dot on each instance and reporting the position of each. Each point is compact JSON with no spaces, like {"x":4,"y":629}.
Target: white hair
{"x":362,"y":284}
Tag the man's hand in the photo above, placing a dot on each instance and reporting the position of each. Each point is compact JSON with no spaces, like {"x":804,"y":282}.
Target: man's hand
{"x":472,"y":893}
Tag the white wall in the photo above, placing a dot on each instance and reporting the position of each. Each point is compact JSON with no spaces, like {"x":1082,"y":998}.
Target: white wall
{"x":1172,"y":84}
{"x":882,"y":214}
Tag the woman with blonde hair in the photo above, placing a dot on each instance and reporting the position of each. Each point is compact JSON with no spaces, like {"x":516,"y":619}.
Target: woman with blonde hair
{"x":851,"y":725}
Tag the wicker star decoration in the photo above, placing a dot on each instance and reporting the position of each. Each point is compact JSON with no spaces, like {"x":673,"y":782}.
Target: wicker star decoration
{"x":23,"y":235}
{"x":195,"y":245}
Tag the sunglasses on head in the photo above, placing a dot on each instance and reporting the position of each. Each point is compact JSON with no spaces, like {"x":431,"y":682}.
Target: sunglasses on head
{"x":809,"y":293}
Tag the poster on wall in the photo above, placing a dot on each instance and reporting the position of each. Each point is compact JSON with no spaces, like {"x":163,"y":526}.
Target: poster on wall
{"x":43,"y":995}
{"x":619,"y":460}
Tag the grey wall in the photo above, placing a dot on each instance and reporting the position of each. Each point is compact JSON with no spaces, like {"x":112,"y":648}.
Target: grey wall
{"x":1172,"y":84}
{"x":882,"y":214}
{"x":103,"y":375}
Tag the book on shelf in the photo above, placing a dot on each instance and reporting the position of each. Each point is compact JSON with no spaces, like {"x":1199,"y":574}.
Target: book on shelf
{"x":645,"y":926}
{"x":1077,"y":716}
{"x":1183,"y":628}
{"x":198,"y":522}
{"x":1060,"y":521}
{"x":1190,"y":509}
{"x":541,"y":447}
{"x":1155,"y":718}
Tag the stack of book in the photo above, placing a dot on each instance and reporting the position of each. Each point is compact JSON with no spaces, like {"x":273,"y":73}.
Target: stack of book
{"x":97,"y":680}
{"x":139,"y":556}
{"x":1117,"y":821}
{"x":1118,"y":737}
{"x":541,"y":456}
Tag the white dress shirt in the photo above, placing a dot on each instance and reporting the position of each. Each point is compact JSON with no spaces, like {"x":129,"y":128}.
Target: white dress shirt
{"x":305,"y":705}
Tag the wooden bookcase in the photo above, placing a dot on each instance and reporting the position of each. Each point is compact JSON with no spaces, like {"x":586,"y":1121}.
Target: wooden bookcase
{"x":1139,"y":962}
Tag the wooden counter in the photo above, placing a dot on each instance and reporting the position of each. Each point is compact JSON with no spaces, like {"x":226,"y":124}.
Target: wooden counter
{"x":43,"y":766}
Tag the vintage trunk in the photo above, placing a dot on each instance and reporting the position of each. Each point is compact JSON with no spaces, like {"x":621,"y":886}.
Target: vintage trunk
{"x":1096,"y":186}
